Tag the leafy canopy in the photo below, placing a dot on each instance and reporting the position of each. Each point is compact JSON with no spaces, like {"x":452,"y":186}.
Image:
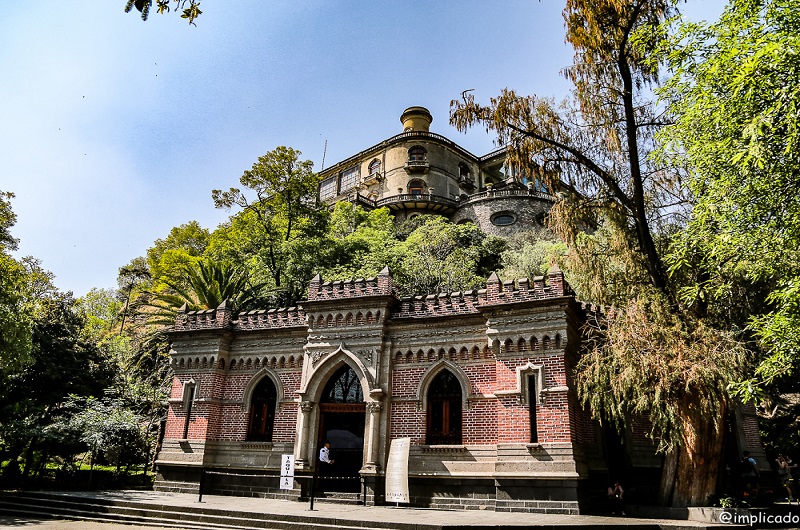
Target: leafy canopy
{"x":737,"y":102}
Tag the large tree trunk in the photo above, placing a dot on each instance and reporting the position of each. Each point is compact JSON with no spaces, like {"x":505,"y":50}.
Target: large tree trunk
{"x":691,"y":470}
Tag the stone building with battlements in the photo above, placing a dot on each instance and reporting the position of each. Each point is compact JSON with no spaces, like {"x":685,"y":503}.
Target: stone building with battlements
{"x":478,"y":380}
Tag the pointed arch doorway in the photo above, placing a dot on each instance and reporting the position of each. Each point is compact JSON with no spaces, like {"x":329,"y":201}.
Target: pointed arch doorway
{"x":342,"y":422}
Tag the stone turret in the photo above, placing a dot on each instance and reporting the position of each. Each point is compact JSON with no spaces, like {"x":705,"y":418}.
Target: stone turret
{"x":416,"y":119}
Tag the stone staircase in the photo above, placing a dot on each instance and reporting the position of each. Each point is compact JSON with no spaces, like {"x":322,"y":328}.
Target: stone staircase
{"x":89,"y":508}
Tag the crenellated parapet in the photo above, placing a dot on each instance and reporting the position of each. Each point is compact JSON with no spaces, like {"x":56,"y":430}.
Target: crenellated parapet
{"x":525,"y":290}
{"x":496,"y":293}
{"x":222,"y":318}
{"x":382,"y":285}
{"x":424,"y":306}
{"x":218,"y":318}
{"x":284,"y":317}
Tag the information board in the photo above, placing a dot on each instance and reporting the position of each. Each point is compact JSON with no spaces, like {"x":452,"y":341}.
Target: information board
{"x":397,"y":471}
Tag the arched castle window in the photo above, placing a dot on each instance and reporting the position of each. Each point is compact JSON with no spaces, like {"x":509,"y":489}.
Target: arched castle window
{"x":417,"y":154}
{"x":416,"y":187}
{"x":343,"y":387}
{"x":444,"y":410}
{"x":262,"y":411}
{"x":375,"y":168}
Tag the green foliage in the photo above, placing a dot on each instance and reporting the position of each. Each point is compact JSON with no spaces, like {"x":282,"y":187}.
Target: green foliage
{"x":62,"y":363}
{"x":439,"y":256}
{"x":190,"y":12}
{"x":105,"y":427}
{"x":532,"y":254}
{"x":652,"y":363}
{"x":738,"y":107}
{"x":602,"y":268}
{"x":7,"y":219}
{"x":282,"y":220}
{"x":210,"y":283}
{"x":16,"y":315}
{"x":358,"y":244}
{"x":169,"y":257}
{"x":102,"y":311}
{"x":16,"y":307}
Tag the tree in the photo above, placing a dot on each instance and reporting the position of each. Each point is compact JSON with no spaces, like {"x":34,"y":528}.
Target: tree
{"x":168,"y":258}
{"x":210,"y":284}
{"x":107,"y":427}
{"x":7,"y":219}
{"x":16,"y":311}
{"x":62,"y":363}
{"x":134,"y":276}
{"x":284,"y":215}
{"x":594,"y":152}
{"x":162,"y":6}
{"x":531,"y":254}
{"x":737,"y":103}
{"x":439,"y":256}
{"x":357,"y":243}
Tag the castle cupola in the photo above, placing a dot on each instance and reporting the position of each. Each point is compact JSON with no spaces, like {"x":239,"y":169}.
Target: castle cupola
{"x":416,"y":119}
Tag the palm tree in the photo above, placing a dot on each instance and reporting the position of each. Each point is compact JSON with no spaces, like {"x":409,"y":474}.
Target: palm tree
{"x":206,"y":286}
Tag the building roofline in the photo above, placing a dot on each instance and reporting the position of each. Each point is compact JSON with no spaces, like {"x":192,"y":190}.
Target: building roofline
{"x":408,"y":135}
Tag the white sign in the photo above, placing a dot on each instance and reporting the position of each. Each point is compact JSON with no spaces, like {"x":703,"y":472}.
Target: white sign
{"x":397,"y":471}
{"x":287,"y":472}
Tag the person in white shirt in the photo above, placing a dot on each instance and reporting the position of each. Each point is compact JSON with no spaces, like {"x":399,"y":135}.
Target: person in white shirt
{"x":325,"y":454}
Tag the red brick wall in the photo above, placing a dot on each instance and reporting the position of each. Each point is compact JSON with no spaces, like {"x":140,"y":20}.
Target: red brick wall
{"x":227,"y":421}
{"x":488,"y":420}
{"x":485,"y":420}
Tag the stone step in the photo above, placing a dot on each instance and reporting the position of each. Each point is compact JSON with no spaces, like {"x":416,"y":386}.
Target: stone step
{"x":174,"y":486}
{"x":49,"y":512}
{"x":88,"y":508}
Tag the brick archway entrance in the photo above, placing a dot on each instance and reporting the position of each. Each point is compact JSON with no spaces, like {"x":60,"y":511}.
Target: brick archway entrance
{"x":342,"y":423}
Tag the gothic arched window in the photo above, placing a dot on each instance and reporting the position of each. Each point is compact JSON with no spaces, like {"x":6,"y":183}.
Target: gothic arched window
{"x":262,"y":411}
{"x":343,"y":387}
{"x":444,"y":410}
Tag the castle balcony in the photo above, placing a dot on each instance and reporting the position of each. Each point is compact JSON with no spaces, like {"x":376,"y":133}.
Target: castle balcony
{"x":511,"y":192}
{"x":425,"y":201}
{"x":417,"y":166}
{"x":446,"y":205}
{"x":372,"y":178}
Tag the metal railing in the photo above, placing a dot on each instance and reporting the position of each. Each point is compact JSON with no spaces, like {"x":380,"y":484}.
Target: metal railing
{"x":315,"y":478}
{"x":410,"y":197}
{"x":507,"y":193}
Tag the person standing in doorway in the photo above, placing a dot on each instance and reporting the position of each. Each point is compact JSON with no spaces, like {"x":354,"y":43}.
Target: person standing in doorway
{"x":325,"y":459}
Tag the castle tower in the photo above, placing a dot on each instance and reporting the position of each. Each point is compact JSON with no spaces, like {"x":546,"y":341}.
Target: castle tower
{"x":416,"y":119}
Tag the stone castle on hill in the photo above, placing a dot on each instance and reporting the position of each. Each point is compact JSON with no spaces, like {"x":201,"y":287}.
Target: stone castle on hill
{"x":418,"y":171}
{"x":480,"y":381}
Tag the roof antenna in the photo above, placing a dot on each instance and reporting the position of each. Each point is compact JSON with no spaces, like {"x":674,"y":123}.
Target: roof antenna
{"x":324,"y":151}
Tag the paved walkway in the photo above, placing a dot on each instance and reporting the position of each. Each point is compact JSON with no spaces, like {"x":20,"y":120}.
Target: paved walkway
{"x":9,"y":523}
{"x":343,"y":512}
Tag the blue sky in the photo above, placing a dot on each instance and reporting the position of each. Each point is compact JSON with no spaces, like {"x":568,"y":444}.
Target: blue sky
{"x":114,"y":130}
